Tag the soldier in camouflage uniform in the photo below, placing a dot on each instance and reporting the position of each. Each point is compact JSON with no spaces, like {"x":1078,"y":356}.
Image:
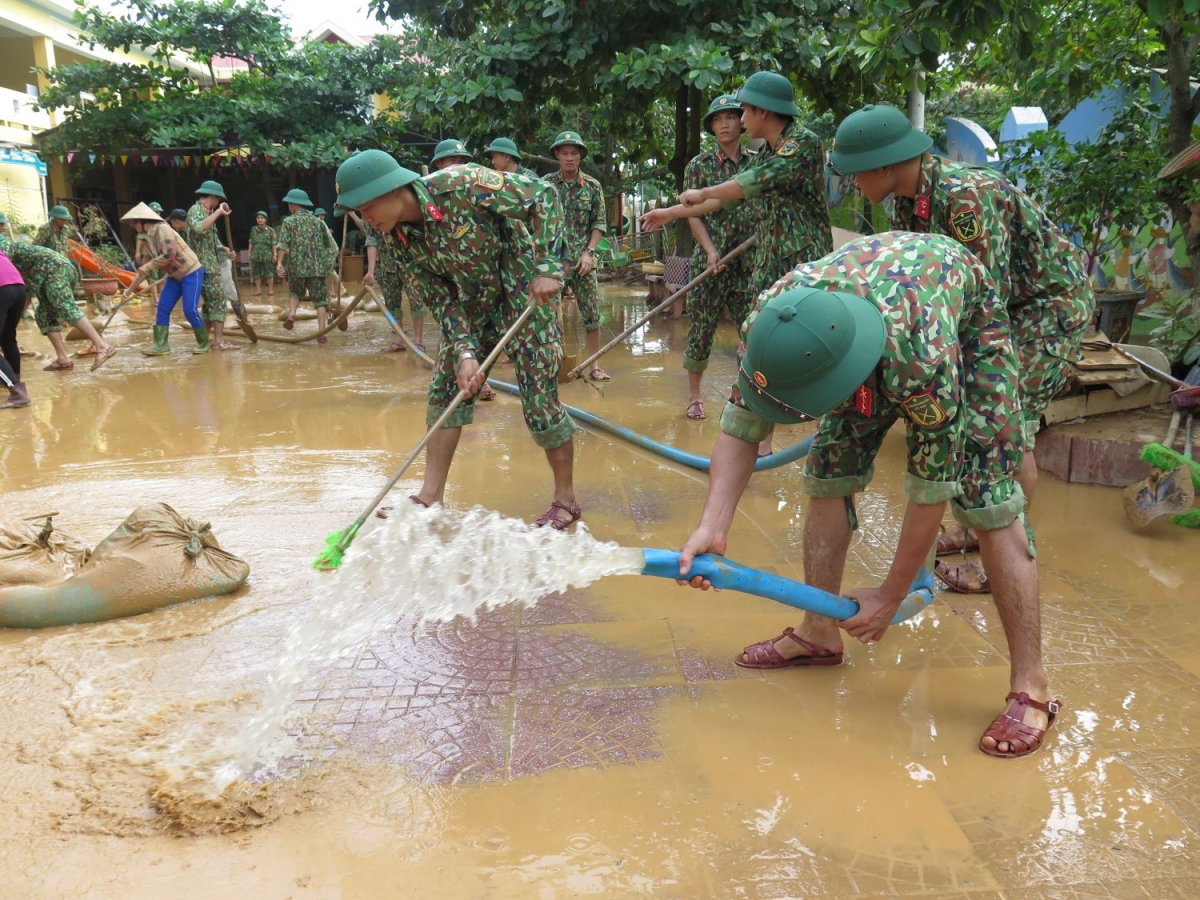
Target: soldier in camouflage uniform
{"x":202,"y":237}
{"x":786,"y":184}
{"x":507,"y":158}
{"x":1037,"y":273}
{"x":303,"y":250}
{"x":896,"y":326}
{"x":450,"y":152}
{"x":52,"y":278}
{"x":716,"y":234}
{"x":382,"y":270}
{"x":448,"y":232}
{"x":586,"y":217}
{"x":262,"y":254}
{"x":60,"y":229}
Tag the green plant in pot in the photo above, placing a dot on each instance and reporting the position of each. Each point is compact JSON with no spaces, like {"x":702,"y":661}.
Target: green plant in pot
{"x":1178,"y":333}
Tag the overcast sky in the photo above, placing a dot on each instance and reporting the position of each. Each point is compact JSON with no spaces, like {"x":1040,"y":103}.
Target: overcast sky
{"x":308,"y":15}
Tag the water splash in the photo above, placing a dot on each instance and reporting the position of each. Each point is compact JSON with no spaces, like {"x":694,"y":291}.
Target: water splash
{"x":429,"y":564}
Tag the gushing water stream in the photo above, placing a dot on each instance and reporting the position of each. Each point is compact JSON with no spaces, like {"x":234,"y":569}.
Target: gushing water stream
{"x":431,"y":564}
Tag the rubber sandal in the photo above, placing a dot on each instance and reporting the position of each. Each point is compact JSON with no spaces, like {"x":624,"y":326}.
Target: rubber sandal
{"x":102,"y":358}
{"x":550,"y":516}
{"x":394,"y":347}
{"x":225,"y":345}
{"x":420,"y":347}
{"x":57,"y":366}
{"x":695,"y":410}
{"x":763,"y":655}
{"x":89,"y":350}
{"x":322,"y":339}
{"x":1009,"y":727}
{"x":344,"y":324}
{"x":486,"y":393}
{"x":289,"y":323}
{"x":384,"y":511}
{"x":598,"y":374}
{"x":961,"y":538}
{"x":966,"y":578}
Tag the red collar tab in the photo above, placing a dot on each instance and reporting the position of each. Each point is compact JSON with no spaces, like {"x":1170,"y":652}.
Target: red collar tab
{"x":399,"y":235}
{"x":924,"y":207}
{"x":434,"y":213}
{"x":864,"y":400}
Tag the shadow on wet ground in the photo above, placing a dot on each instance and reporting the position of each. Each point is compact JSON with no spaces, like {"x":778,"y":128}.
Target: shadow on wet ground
{"x":602,"y":743}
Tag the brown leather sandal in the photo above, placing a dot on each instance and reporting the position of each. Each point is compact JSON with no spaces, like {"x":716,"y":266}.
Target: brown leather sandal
{"x":763,"y":655}
{"x":551,"y":516}
{"x":957,"y":539}
{"x":1009,"y":727}
{"x":963,"y":578}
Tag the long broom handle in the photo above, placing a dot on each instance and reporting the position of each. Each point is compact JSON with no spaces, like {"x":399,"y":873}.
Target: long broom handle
{"x":349,"y":533}
{"x":732,"y":254}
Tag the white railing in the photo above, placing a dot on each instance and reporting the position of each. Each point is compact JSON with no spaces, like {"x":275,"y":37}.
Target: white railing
{"x":16,"y":111}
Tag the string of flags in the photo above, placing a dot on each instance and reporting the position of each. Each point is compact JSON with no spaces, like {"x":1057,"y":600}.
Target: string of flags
{"x":182,"y":160}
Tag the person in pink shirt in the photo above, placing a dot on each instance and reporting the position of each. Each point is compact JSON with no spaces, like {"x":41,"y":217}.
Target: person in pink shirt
{"x":13,"y":301}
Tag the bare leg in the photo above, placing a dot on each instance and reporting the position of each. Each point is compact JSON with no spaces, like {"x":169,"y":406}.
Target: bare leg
{"x":826,"y":542}
{"x":439,"y":453}
{"x":766,"y":448}
{"x":89,"y":332}
{"x":694,"y":380}
{"x":271,"y":286}
{"x":322,"y":317}
{"x":219,"y":336}
{"x":1015,"y":589}
{"x":293,"y":305}
{"x":419,"y":332}
{"x":1027,"y":476}
{"x":60,"y":347}
{"x":257,"y":287}
{"x":562,"y":464}
{"x":593,"y":344}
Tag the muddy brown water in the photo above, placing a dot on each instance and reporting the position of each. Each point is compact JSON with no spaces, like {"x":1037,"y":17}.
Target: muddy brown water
{"x":601,"y":744}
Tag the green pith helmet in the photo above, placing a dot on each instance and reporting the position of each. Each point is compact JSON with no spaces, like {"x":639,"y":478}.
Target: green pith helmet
{"x":61,"y":212}
{"x":3,"y":219}
{"x":211,"y":188}
{"x":263,"y":213}
{"x":368,"y":175}
{"x":569,"y":137}
{"x":504,"y":145}
{"x":807,"y":351}
{"x":874,"y":137}
{"x":319,"y":211}
{"x":724,"y":103}
{"x":769,"y":91}
{"x":156,"y":206}
{"x":339,"y":210}
{"x":299,"y":197}
{"x":450,"y":147}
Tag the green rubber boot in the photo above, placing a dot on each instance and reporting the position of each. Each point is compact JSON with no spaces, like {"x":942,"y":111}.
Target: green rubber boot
{"x":161,"y":337}
{"x":201,"y":340}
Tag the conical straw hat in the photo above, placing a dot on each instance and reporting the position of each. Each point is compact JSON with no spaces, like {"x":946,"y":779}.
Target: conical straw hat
{"x":141,"y":212}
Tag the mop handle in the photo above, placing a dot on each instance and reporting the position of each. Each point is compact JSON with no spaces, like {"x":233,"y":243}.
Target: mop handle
{"x":725,"y":573}
{"x":732,"y":254}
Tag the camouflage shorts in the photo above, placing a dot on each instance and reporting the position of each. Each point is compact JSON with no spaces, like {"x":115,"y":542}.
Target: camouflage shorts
{"x":392,"y":286}
{"x":262,"y":269}
{"x":536,"y":352}
{"x":1047,"y":332}
{"x":313,"y":288}
{"x":587,"y":295}
{"x":213,"y":293}
{"x":705,"y":302}
{"x":56,"y":303}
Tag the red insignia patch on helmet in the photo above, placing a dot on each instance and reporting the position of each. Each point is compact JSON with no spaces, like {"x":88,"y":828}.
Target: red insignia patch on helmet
{"x":760,"y":379}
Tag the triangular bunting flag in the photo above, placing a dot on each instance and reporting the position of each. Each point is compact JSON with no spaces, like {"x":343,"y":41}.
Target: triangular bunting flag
{"x":178,"y":161}
{"x":187,"y":160}
{"x":91,"y":157}
{"x":144,"y":158}
{"x":71,"y":157}
{"x":124,"y":158}
{"x":154,"y":159}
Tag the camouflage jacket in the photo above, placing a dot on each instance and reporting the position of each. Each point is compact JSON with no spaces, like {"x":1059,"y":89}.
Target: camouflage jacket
{"x":947,"y":355}
{"x":262,"y":243}
{"x":168,"y":251}
{"x":39,"y":266}
{"x":47,"y":237}
{"x":1027,"y":255}
{"x":583,"y":210}
{"x":309,"y":244}
{"x":464,"y":249}
{"x":204,"y":241}
{"x":787,"y":183}
{"x":726,"y":227}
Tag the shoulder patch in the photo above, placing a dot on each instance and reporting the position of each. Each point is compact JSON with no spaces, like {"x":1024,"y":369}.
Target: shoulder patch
{"x":788,"y":147}
{"x":965,"y":225}
{"x":923,"y":410}
{"x":490,"y":179}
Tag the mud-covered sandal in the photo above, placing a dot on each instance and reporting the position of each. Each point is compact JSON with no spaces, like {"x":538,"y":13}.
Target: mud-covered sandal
{"x":58,"y":366}
{"x":598,"y":374}
{"x":763,"y":655}
{"x":551,"y":516}
{"x":103,"y":357}
{"x":956,"y":539}
{"x":964,"y":578}
{"x":384,"y":511}
{"x":695,"y":410}
{"x":1010,"y":728}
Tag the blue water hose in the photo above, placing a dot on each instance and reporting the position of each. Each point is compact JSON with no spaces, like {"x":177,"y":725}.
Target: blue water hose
{"x":727,"y":574}
{"x":692,"y":460}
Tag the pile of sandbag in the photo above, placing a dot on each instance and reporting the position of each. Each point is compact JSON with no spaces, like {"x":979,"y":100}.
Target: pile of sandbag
{"x":155,"y":558}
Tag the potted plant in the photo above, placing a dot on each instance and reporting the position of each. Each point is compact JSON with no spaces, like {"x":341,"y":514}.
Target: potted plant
{"x":1178,"y":334}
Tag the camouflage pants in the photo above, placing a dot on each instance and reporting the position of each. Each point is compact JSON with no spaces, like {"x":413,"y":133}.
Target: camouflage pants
{"x":392,"y":286}
{"x":313,"y":288}
{"x":262,"y":268}
{"x":705,"y":302}
{"x":1047,"y":332}
{"x":985,"y":422}
{"x":587,"y":295}
{"x":213,"y":293}
{"x":770,"y":265}
{"x":56,"y":301}
{"x":536,"y":352}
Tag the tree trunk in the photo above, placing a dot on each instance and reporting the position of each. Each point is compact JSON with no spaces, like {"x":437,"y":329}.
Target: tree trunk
{"x":1181,"y":48}
{"x":684,"y":241}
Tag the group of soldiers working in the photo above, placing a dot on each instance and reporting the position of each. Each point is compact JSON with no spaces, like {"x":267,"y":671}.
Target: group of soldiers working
{"x":962,"y":322}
